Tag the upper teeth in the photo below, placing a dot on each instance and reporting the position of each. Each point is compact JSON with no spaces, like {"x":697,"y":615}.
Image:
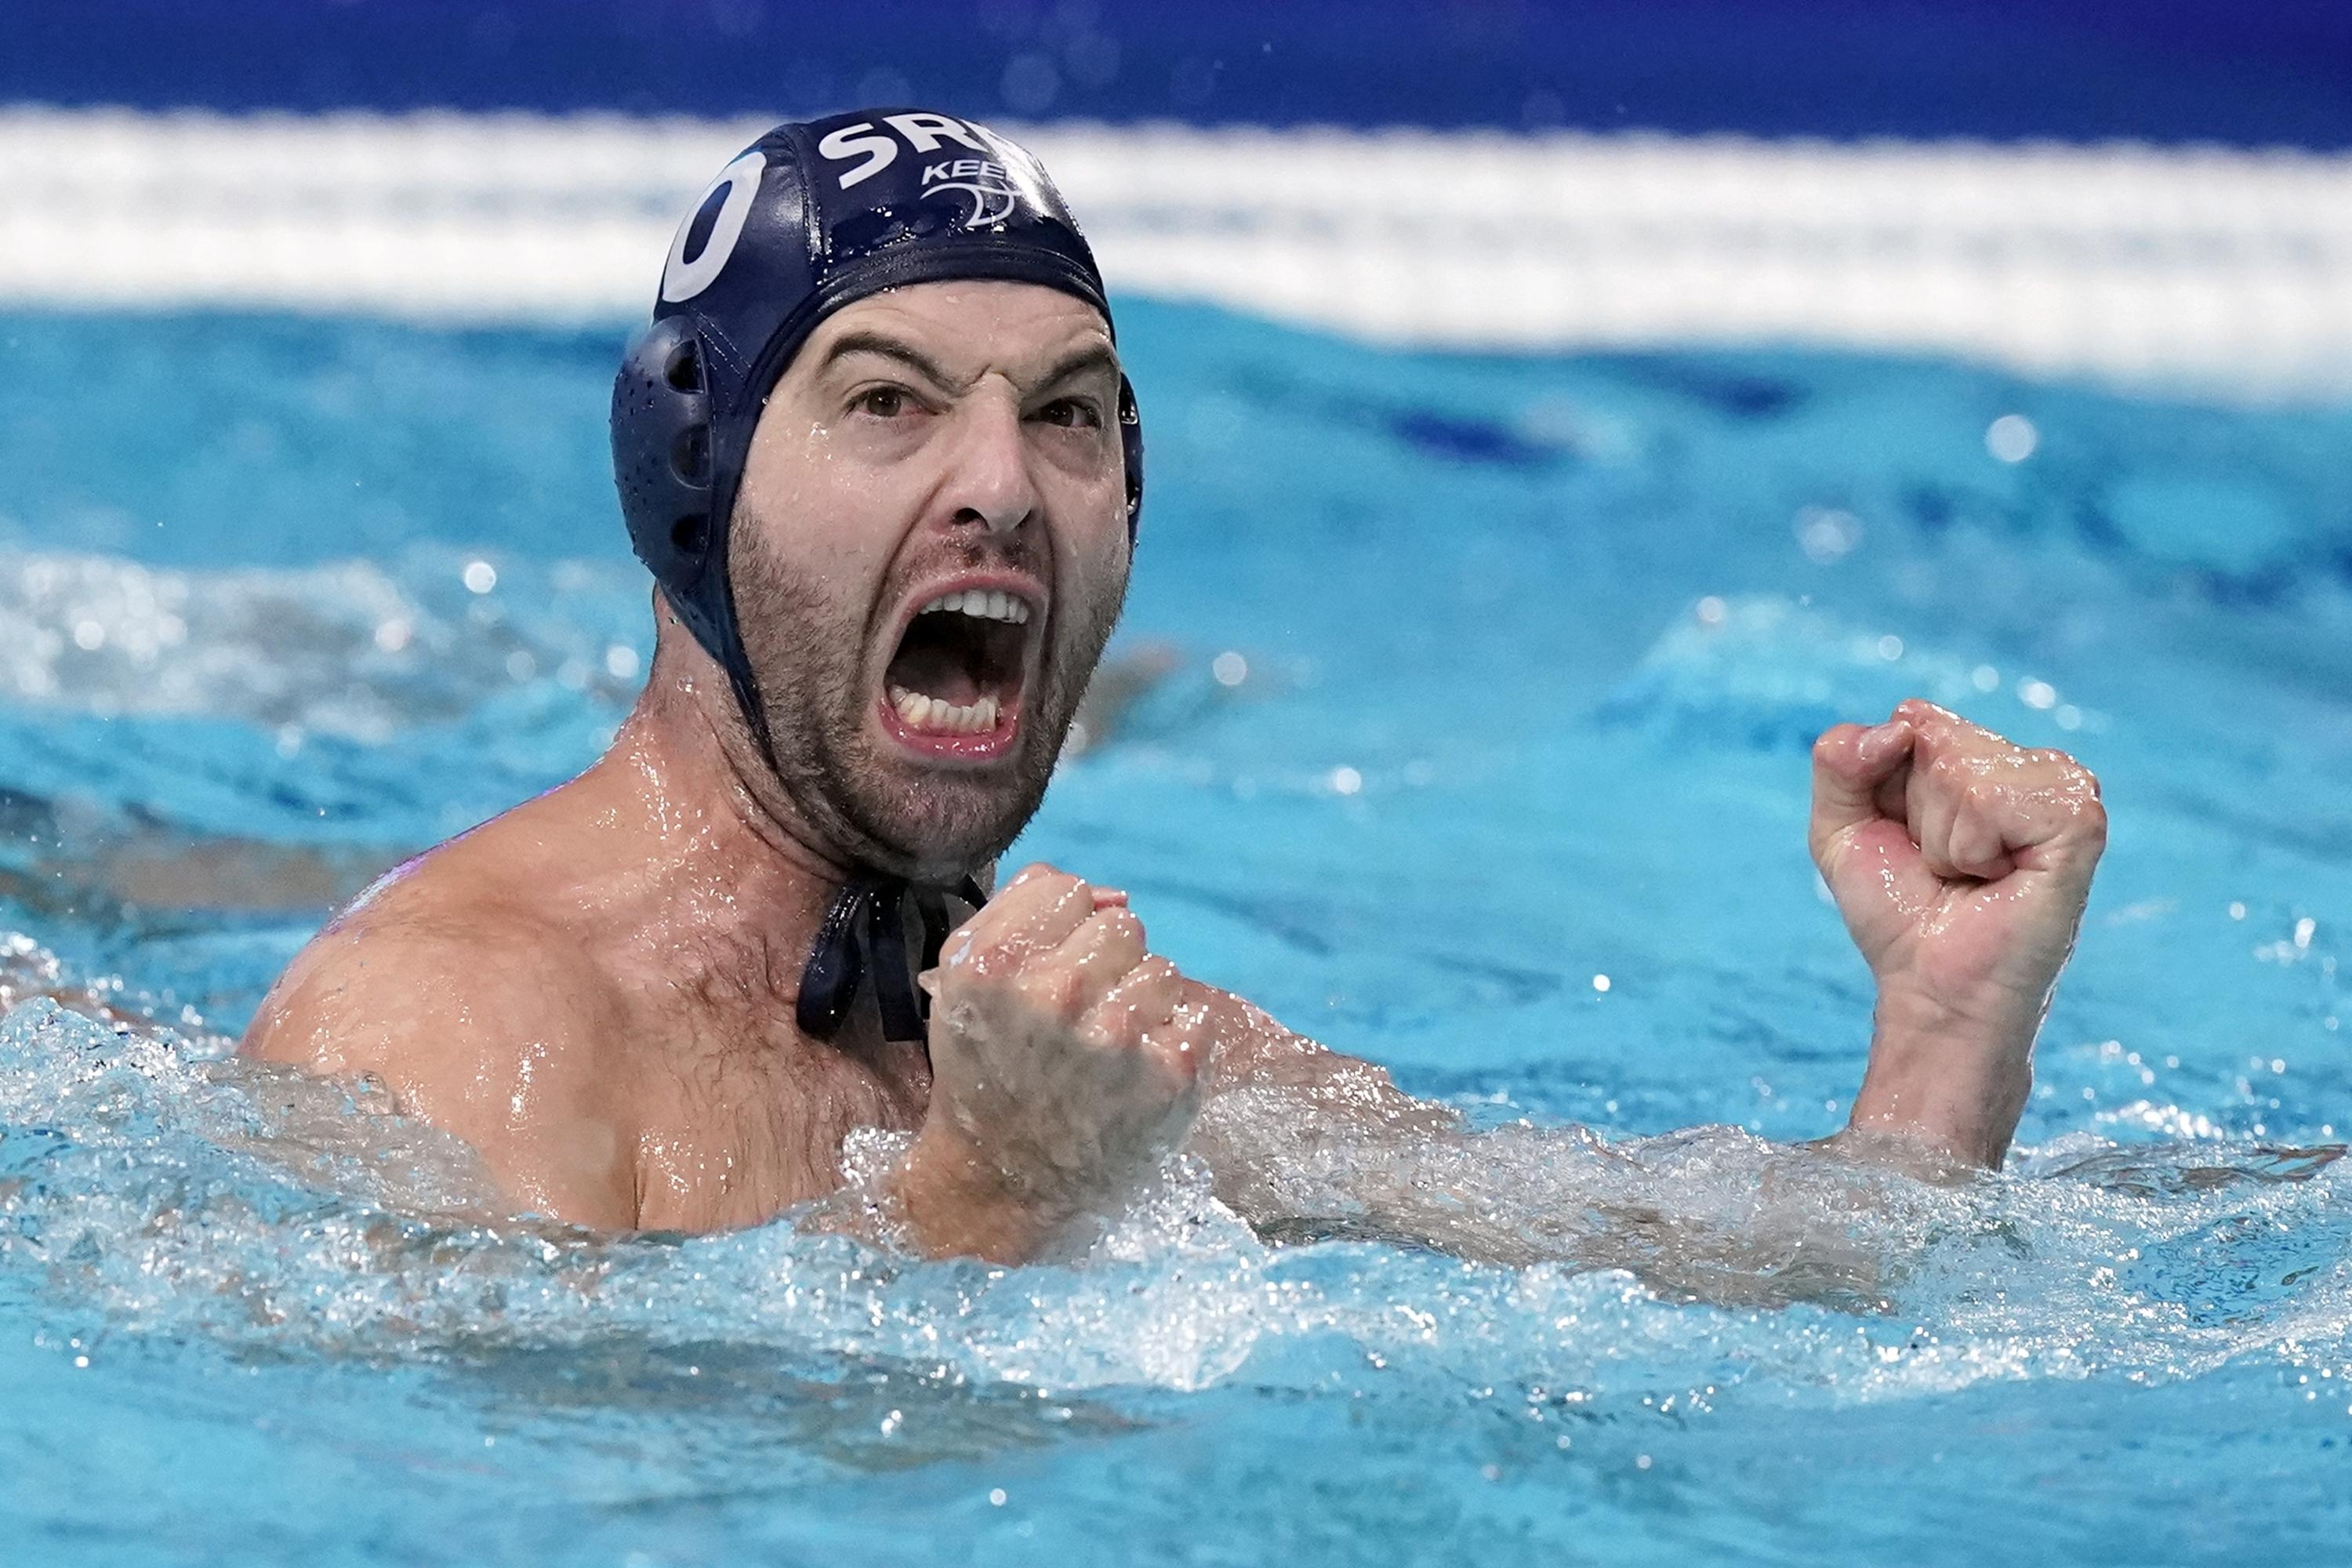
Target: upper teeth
{"x":988,"y":604}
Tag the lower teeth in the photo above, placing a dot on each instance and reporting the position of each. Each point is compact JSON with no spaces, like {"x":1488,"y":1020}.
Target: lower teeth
{"x":918,"y":711}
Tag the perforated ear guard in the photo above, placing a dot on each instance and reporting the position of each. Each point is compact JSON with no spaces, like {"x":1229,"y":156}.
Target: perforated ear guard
{"x":661,"y":454}
{"x":665,"y":465}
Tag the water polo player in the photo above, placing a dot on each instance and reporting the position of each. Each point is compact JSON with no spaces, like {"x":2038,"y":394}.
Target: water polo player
{"x":878,"y":449}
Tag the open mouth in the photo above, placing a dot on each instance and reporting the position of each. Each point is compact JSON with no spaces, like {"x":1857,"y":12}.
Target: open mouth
{"x":953,"y":689}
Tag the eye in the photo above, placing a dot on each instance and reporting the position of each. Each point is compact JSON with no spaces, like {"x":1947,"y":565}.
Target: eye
{"x":1072,"y":413}
{"x":882,"y":402}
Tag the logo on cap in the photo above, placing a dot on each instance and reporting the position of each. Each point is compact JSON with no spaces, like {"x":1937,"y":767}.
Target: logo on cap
{"x":987,"y":183}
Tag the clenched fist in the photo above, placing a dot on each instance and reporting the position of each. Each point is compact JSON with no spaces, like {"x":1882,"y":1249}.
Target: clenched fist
{"x":1961,"y":864}
{"x":1064,"y":1062}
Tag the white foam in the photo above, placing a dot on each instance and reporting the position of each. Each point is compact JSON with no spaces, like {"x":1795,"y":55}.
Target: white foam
{"x":2228,"y":269}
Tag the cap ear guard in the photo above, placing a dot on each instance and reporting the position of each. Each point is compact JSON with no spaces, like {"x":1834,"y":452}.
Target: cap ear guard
{"x":663,"y":463}
{"x":1130,"y":445}
{"x":661,"y":454}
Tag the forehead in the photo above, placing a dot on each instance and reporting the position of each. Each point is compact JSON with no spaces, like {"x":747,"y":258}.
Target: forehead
{"x":970,"y":325}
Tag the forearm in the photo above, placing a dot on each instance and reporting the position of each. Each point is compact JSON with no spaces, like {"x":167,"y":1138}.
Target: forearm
{"x":1943,"y":1083}
{"x":1713,"y":1212}
{"x":1307,"y":1144}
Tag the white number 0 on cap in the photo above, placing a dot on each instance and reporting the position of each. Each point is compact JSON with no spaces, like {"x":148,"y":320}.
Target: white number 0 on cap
{"x":683,"y":279}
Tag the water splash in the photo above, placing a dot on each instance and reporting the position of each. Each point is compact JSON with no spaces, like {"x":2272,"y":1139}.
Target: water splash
{"x":151,"y":1185}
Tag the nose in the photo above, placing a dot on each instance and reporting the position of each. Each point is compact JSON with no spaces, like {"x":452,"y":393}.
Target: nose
{"x":989,"y":483}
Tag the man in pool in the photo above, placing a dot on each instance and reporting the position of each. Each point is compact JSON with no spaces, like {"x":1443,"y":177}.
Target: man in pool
{"x":878,"y":449}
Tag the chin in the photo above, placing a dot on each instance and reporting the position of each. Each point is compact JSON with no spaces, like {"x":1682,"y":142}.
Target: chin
{"x":943,"y":827}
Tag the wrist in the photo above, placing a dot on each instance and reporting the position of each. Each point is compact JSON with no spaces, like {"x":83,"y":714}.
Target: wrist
{"x":957,"y":1202}
{"x":1991,"y":1017}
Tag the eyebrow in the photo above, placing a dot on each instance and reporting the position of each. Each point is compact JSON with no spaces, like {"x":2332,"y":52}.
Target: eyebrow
{"x":870,"y":342}
{"x":1089,"y":356}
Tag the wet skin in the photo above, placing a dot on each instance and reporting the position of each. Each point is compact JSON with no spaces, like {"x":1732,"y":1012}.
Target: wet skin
{"x":596,"y":989}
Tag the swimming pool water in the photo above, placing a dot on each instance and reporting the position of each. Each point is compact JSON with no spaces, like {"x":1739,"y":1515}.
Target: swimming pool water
{"x":1503,"y":785}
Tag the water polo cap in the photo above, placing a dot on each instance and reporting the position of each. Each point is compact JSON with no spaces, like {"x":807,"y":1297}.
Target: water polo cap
{"x":813,"y":216}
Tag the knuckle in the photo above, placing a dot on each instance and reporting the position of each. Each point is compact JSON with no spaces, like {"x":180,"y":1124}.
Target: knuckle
{"x":1056,"y":990}
{"x":1933,"y":725}
{"x":1182,"y":1059}
{"x":1178,"y":1053}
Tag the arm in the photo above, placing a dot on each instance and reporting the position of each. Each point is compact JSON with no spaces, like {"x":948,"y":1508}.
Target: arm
{"x":476,"y":1029}
{"x":1960,"y":864}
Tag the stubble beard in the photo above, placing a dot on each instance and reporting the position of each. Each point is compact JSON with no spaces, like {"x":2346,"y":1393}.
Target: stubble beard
{"x":870,"y":807}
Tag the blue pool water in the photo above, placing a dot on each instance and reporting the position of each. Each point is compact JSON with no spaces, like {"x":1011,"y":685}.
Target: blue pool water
{"x":1528,"y":653}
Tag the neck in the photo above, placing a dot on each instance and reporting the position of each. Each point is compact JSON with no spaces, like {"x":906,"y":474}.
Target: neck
{"x":724,"y":888}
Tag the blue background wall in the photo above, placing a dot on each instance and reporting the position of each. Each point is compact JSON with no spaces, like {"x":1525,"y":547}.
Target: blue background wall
{"x":2251,"y":71}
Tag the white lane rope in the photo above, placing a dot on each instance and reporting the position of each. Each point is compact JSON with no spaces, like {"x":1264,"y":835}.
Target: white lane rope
{"x":2226,"y":270}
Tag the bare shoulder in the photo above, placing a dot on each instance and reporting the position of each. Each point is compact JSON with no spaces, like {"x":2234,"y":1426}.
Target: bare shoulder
{"x":407,"y":976}
{"x":484,"y":1019}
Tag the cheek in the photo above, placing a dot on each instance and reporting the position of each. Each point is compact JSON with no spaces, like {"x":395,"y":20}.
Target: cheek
{"x":823,"y":527}
{"x":1091,"y":538}
{"x":1096,"y":561}
{"x":814,"y":477}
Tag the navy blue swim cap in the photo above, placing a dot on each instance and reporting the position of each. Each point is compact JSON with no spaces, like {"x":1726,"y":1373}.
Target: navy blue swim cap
{"x":813,"y":216}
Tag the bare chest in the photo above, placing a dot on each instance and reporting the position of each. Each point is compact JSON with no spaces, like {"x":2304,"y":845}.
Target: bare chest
{"x":738,"y":1122}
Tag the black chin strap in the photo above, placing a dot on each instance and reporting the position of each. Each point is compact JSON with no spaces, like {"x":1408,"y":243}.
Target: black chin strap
{"x":864,"y":933}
